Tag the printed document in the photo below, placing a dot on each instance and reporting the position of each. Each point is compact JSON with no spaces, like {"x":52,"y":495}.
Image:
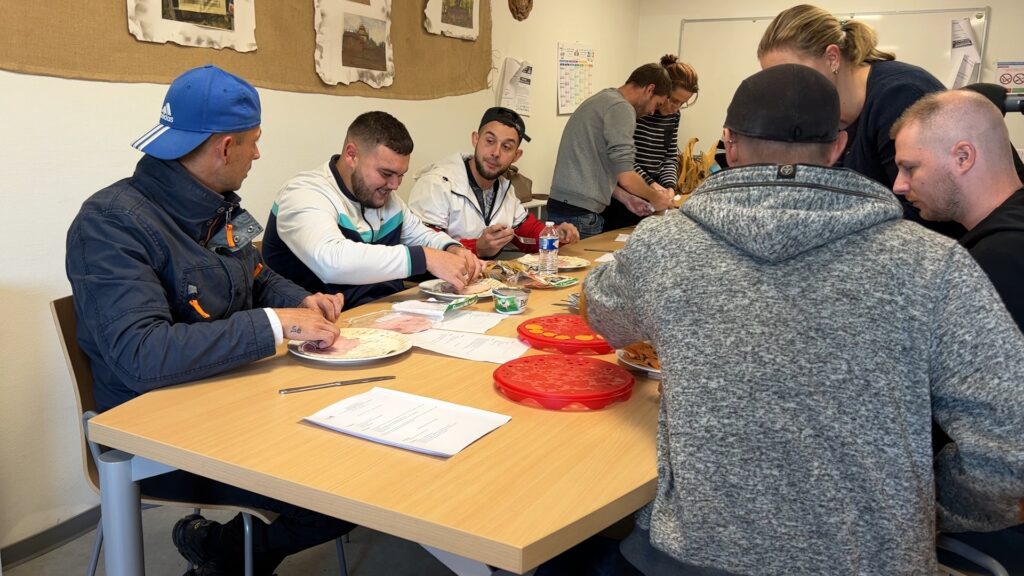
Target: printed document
{"x":409,"y":421}
{"x":496,"y":349}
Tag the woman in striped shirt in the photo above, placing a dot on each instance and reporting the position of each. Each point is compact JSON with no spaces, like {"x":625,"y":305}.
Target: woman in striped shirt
{"x":657,"y":152}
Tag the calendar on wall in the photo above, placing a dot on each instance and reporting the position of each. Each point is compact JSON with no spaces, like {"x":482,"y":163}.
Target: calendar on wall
{"x":575,"y":75}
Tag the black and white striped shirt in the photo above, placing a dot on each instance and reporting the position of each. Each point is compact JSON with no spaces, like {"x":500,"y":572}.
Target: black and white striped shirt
{"x":657,"y":152}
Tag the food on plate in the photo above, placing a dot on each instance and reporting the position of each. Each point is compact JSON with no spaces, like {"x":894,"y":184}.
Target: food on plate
{"x":340,"y":347}
{"x":405,"y":324}
{"x":642,"y":354}
{"x":564,"y":262}
{"x":478,"y":287}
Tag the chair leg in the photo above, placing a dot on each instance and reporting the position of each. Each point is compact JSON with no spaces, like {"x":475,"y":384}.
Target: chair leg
{"x":247,"y":525}
{"x":339,"y":543}
{"x":97,"y":545}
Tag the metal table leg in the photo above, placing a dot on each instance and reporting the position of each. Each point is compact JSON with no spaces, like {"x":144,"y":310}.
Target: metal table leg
{"x":121,"y":511}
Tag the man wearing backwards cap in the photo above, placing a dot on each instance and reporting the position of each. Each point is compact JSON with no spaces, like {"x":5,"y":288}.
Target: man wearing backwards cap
{"x":797,"y":391}
{"x":169,"y":289}
{"x":470,"y":198}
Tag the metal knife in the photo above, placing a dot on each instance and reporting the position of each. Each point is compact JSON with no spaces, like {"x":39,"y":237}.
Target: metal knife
{"x":333,"y":384}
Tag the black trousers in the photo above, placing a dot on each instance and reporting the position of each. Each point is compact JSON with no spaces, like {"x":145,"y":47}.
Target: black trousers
{"x":294,"y":530}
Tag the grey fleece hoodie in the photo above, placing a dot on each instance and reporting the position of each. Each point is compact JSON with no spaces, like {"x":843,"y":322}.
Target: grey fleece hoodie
{"x":807,"y":337}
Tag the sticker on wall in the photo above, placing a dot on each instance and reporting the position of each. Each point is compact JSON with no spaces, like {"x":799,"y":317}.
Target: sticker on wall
{"x":353,"y":42}
{"x":201,"y":23}
{"x":455,"y":18}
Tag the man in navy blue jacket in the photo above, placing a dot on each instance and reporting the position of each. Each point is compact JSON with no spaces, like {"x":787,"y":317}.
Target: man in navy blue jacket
{"x":169,"y":289}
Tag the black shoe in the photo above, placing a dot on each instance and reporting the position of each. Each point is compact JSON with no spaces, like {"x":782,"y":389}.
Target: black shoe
{"x":214,"y":568}
{"x":189,"y":536}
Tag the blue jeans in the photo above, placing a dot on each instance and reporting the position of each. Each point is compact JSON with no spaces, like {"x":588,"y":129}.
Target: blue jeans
{"x":589,"y":224}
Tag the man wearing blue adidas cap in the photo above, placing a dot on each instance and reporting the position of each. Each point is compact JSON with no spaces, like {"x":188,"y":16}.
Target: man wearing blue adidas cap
{"x":169,"y":289}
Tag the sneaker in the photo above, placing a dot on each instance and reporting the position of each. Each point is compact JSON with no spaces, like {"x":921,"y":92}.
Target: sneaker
{"x":189,"y":535}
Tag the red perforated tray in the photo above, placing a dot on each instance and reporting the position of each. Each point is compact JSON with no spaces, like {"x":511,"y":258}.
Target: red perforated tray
{"x":563,"y":382}
{"x":565,"y":333}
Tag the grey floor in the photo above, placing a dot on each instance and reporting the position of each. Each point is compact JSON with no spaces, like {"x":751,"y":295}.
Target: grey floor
{"x":369,"y":553}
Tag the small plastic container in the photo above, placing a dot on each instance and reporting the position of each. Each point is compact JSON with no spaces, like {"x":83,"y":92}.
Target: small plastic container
{"x":572,"y":383}
{"x":563,"y":333}
{"x":510,"y":300}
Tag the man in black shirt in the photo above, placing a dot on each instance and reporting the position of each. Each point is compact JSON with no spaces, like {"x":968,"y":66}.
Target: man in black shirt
{"x":954,"y":157}
{"x":956,"y":163}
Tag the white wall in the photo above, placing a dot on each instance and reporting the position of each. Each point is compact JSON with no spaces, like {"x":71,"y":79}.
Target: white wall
{"x":61,"y":140}
{"x":659,"y":34}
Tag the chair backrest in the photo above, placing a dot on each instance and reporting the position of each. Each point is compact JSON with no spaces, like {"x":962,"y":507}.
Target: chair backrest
{"x":63,"y":310}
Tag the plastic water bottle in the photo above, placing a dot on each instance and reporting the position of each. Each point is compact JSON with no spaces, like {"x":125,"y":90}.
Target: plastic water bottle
{"x":547,"y":252}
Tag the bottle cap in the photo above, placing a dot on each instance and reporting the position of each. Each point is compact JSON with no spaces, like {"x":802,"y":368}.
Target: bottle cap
{"x":549,"y":223}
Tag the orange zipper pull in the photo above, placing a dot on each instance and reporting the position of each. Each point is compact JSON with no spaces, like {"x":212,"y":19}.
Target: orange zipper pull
{"x":230,"y":234}
{"x":193,"y":293}
{"x":259,"y":268}
{"x":198,"y":308}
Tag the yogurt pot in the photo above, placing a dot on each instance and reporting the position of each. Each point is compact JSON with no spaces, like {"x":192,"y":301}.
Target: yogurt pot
{"x":509,"y":300}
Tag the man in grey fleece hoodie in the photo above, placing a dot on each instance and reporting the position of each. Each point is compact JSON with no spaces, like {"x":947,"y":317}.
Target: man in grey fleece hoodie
{"x":808,"y":336}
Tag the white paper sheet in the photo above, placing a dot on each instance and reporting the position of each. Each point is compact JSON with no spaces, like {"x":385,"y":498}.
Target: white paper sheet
{"x":496,"y":349}
{"x":471,"y":321}
{"x":409,"y":421}
{"x":514,"y":92}
{"x":605,"y":257}
{"x":963,"y":54}
{"x":622,"y":237}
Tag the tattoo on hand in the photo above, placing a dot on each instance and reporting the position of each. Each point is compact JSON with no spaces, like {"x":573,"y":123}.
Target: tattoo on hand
{"x":296,"y":330}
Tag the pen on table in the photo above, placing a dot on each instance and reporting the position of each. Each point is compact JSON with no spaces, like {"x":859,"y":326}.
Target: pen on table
{"x":597,"y":250}
{"x":333,"y":384}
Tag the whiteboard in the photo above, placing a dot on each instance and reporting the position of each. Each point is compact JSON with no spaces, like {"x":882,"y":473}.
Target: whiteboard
{"x":723,"y":51}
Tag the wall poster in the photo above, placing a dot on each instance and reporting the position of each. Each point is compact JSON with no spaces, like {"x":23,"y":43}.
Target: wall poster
{"x":575,"y":75}
{"x":201,"y":23}
{"x":353,"y":42}
{"x":455,"y":18}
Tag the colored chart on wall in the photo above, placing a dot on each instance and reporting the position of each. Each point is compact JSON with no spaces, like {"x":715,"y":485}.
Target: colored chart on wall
{"x":575,"y":75}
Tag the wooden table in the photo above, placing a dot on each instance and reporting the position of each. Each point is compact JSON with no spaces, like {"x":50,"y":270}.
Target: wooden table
{"x":517,"y":497}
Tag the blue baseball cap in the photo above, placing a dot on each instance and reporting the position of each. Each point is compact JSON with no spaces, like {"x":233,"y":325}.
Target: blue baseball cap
{"x":200,"y":102}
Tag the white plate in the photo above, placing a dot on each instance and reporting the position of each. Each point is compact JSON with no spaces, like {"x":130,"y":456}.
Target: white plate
{"x":651,"y":372}
{"x":433,"y":288}
{"x":564,"y":262}
{"x":373,"y":344}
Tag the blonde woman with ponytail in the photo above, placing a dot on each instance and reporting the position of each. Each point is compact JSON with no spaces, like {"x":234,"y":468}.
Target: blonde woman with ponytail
{"x":874,"y":88}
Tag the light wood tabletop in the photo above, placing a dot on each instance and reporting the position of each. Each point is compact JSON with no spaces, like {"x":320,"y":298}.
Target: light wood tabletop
{"x":518,"y":496}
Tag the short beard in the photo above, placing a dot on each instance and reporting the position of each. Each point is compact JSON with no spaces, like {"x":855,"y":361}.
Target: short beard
{"x":364,"y":195}
{"x":948,"y":201}
{"x":481,"y":169}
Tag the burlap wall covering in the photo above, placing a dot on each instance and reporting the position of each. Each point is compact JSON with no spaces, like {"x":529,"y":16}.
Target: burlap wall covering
{"x":90,"y":40}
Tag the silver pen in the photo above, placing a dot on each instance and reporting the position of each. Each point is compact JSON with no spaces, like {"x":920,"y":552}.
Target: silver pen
{"x":333,"y":384}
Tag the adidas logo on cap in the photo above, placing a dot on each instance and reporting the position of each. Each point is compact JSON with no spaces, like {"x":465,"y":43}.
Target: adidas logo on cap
{"x":165,"y":113}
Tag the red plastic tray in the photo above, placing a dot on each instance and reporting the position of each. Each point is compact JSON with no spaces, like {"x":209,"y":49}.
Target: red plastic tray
{"x":563,"y":382}
{"x":565,"y":333}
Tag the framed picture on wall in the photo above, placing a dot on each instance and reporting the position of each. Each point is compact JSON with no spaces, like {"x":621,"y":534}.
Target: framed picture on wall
{"x":455,"y":18}
{"x":353,"y":42}
{"x":200,"y":23}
